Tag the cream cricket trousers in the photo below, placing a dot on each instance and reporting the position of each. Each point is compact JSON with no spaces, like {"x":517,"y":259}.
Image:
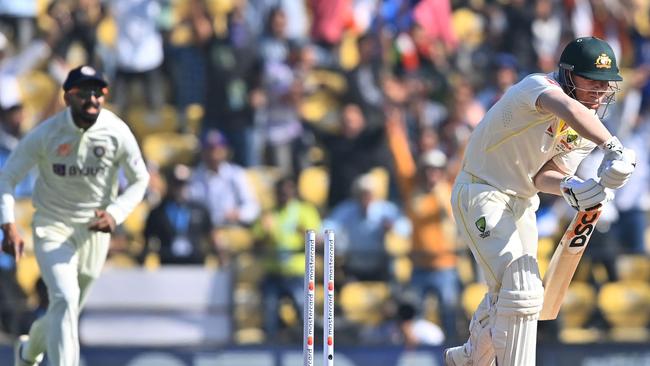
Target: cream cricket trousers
{"x":70,"y":258}
{"x":497,"y":227}
{"x":501,"y":231}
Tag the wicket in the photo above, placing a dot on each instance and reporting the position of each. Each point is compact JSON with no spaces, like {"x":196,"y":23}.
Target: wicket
{"x":328,"y":291}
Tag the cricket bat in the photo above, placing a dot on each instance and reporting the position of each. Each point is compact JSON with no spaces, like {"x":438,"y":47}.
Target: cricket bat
{"x":565,"y":260}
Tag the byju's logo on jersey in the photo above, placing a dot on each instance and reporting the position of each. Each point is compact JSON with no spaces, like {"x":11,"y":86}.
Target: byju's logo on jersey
{"x":63,"y":170}
{"x":59,"y":169}
{"x":480,"y":225}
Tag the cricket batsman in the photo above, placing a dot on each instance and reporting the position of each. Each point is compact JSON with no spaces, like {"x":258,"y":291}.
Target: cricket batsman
{"x":78,"y":152}
{"x":531,"y":141}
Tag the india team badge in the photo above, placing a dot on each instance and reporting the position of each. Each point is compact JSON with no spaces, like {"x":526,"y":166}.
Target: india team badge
{"x":99,"y":151}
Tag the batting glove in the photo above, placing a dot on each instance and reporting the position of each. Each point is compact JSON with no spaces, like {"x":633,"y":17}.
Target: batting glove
{"x":584,"y":194}
{"x":617,"y":165}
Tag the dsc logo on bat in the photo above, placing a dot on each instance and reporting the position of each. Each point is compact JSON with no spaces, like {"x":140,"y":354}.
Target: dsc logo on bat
{"x":584,"y":227}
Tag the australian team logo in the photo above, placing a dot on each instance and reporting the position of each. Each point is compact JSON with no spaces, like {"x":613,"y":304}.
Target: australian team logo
{"x":481,"y":225}
{"x":603,"y":62}
{"x":567,"y":137}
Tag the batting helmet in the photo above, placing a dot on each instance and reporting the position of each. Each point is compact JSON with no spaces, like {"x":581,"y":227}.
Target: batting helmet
{"x":591,"y":58}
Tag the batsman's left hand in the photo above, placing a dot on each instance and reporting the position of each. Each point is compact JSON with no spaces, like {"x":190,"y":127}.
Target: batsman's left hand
{"x":614,"y":174}
{"x":104,"y":222}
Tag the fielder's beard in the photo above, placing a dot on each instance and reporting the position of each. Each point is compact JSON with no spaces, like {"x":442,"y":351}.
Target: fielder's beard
{"x":85,"y":117}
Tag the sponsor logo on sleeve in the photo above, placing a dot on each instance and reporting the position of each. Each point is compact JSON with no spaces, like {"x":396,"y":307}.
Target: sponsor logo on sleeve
{"x":481,"y":225}
{"x":63,"y":150}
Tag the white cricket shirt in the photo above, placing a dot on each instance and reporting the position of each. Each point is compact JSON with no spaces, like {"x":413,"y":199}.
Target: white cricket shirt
{"x":78,"y":169}
{"x":514,"y":140}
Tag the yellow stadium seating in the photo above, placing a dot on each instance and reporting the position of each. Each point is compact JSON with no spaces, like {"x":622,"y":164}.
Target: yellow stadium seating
{"x":37,"y":90}
{"x":633,"y":267}
{"x":24,"y":211}
{"x":403,"y":269}
{"x":579,"y":305}
{"x":313,"y":185}
{"x":135,"y":222}
{"x":235,"y":239}
{"x":382,"y":177}
{"x":167,"y":148}
{"x":363,"y":302}
{"x":465,"y":268}
{"x":262,"y":180}
{"x":396,"y":244}
{"x":472,"y":296}
{"x":144,"y":122}
{"x":626,"y":307}
{"x":27,"y":273}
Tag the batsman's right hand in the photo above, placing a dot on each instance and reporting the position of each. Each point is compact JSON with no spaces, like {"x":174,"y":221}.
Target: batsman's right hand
{"x":12,"y":243}
{"x":584,"y":194}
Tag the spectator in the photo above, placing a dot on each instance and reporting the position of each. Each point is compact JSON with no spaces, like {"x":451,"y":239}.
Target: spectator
{"x":186,"y":62}
{"x":415,"y":330}
{"x":224,"y":188}
{"x":359,"y":146}
{"x":139,"y":50}
{"x":426,"y":196}
{"x":504,"y":77}
{"x":360,"y":224}
{"x":12,"y":118}
{"x":18,"y":18}
{"x":281,"y":121}
{"x":233,"y":83}
{"x":180,"y":227}
{"x":281,"y":234}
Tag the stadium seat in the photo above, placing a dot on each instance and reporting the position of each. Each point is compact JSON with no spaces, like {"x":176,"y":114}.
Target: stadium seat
{"x":397,"y":245}
{"x":248,"y":269}
{"x":465,"y":268}
{"x":135,"y":222}
{"x":247,"y":305}
{"x":168,"y":148}
{"x":38,"y":90}
{"x":24,"y":211}
{"x":472,"y":296}
{"x":578,"y":306}
{"x":545,"y":249}
{"x":362,"y":302}
{"x":262,"y":180}
{"x":144,"y":122}
{"x":27,"y":273}
{"x":402,"y":269}
{"x":382,"y":177}
{"x":313,"y":185}
{"x":633,"y":268}
{"x":626,"y":307}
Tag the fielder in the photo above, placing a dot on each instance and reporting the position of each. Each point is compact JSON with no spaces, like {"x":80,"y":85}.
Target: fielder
{"x":78,"y":152}
{"x":532,"y":140}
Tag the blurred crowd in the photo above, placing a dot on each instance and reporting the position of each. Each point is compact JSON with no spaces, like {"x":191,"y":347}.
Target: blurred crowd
{"x":260,"y":119}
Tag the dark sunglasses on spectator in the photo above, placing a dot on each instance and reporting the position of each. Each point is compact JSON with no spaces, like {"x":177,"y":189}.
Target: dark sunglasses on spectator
{"x":86,"y":93}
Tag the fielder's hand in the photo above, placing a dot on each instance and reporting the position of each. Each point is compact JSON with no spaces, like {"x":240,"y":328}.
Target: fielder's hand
{"x":12,"y":243}
{"x":104,"y":222}
{"x":586,"y":194}
{"x":617,"y":166}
